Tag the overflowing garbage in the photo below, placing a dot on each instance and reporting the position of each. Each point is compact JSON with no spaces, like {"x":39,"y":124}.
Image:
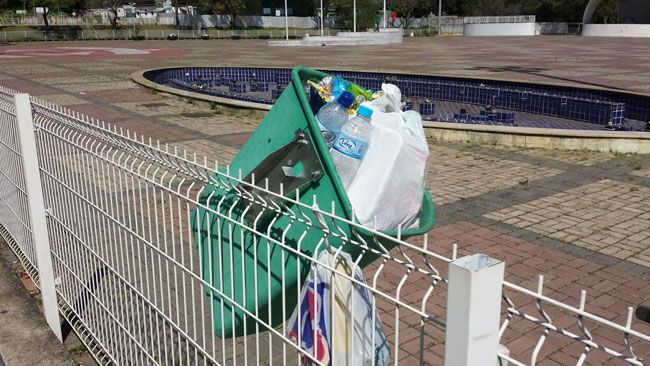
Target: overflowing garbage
{"x":379,"y":150}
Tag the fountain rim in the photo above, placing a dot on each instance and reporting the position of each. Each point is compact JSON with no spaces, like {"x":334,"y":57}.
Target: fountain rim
{"x":619,"y":141}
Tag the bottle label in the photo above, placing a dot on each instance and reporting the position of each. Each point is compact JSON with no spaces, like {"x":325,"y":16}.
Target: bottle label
{"x":351,"y":146}
{"x":328,"y":135}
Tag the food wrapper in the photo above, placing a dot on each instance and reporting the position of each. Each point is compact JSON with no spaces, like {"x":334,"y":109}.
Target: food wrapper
{"x":323,"y":88}
{"x":330,"y":88}
{"x":338,"y":86}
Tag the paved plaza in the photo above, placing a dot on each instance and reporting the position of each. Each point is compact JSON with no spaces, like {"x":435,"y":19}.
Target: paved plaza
{"x":580,"y":218}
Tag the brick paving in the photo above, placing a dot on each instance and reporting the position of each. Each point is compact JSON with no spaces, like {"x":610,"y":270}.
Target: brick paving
{"x":607,"y":216}
{"x":580,"y":218}
{"x":609,"y":291}
{"x":481,"y":174}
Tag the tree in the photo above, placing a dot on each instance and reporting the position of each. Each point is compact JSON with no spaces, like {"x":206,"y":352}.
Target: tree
{"x":111,"y":6}
{"x":48,"y":5}
{"x":606,"y":12}
{"x":234,"y":8}
{"x":366,"y":11}
{"x":406,"y":8}
{"x":484,"y":7}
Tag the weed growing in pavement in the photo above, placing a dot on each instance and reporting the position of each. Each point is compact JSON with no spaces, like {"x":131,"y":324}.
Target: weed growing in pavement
{"x":78,"y":349}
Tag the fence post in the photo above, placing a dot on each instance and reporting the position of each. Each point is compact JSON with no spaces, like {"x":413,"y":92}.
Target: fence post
{"x":37,"y":213}
{"x":473,"y":311}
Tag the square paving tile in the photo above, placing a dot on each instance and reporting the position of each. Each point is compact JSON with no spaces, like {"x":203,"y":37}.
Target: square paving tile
{"x":608,"y":217}
{"x":480,"y":174}
{"x":110,"y":85}
{"x":585,"y":158}
{"x":642,"y":173}
{"x":63,"y":99}
{"x":210,"y":149}
{"x":215,"y":124}
{"x":167,"y":106}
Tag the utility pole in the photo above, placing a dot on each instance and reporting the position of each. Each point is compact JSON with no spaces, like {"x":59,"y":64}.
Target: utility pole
{"x":439,"y":17}
{"x":354,"y":15}
{"x":286,"y":20}
{"x":322,"y":19}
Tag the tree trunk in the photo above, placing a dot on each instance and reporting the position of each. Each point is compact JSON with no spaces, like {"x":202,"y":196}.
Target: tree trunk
{"x":233,"y":19}
{"x":178,"y":25}
{"x":114,"y":19}
{"x":45,"y":14}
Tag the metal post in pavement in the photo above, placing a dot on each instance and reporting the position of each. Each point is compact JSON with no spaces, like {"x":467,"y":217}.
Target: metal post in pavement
{"x":37,"y":212}
{"x":473,"y":311}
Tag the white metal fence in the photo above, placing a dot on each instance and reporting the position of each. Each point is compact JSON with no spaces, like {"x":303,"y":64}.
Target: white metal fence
{"x":139,"y":275}
{"x":149,"y":34}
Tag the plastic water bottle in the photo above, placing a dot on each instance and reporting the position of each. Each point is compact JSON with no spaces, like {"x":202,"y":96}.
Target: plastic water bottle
{"x":351,"y":145}
{"x":333,"y":115}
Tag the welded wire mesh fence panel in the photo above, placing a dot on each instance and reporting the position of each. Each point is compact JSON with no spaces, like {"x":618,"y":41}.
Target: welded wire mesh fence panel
{"x":165,"y":258}
{"x":124,"y":226}
{"x":542,"y":327}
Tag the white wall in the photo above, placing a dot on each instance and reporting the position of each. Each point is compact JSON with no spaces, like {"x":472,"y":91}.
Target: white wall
{"x":254,"y":21}
{"x":616,"y":30}
{"x":499,"y":29}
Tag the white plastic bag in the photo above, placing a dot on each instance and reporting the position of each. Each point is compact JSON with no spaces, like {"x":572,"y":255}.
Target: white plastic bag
{"x":389,"y":184}
{"x":338,"y":303}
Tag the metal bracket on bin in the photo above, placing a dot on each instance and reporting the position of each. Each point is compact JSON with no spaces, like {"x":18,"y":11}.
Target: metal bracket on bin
{"x":293,"y":166}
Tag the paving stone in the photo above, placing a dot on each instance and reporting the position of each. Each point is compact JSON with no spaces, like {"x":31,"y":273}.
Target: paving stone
{"x":480,"y":174}
{"x":63,"y":99}
{"x":599,"y":208}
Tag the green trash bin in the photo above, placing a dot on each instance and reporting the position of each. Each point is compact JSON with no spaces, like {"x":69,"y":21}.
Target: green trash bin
{"x":241,"y":246}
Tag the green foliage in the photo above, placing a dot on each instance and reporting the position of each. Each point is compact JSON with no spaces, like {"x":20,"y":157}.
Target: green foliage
{"x":366,"y":11}
{"x":408,"y":8}
{"x":234,"y":8}
{"x":484,"y":7}
{"x":544,"y":10}
{"x":606,"y":12}
{"x":54,"y":7}
{"x":111,"y":5}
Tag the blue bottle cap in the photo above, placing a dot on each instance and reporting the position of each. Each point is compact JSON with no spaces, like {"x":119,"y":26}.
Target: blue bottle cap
{"x":346,"y":99}
{"x":364,"y":111}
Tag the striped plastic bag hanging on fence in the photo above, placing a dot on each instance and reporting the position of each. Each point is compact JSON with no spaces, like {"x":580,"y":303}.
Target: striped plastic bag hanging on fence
{"x":337,"y":316}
